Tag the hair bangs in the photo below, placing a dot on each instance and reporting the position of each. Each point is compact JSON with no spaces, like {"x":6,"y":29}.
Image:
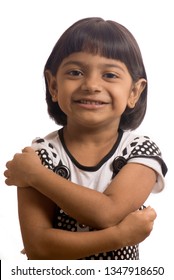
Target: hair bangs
{"x":100,"y":38}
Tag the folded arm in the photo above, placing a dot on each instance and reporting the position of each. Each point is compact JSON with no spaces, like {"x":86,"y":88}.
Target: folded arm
{"x":126,"y":193}
{"x":42,"y":241}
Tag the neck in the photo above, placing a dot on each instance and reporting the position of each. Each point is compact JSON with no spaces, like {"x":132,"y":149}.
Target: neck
{"x":89,"y":145}
{"x":90,"y":135}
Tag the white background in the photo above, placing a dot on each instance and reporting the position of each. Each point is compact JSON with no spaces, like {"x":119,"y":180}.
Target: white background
{"x":29,"y":30}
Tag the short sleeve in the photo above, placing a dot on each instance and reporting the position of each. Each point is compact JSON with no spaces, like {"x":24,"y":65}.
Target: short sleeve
{"x":144,"y":151}
{"x":46,"y":152}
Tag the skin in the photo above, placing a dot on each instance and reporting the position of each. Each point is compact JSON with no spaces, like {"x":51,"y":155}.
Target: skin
{"x":93,"y":92}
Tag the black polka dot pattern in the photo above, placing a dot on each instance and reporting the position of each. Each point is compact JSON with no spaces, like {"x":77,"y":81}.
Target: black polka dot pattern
{"x":147,"y":148}
{"x":45,"y":159}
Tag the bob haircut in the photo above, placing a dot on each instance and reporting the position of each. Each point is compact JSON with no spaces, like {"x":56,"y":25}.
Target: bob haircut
{"x":105,"y":38}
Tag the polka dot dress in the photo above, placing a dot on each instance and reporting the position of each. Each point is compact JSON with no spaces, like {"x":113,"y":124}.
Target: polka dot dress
{"x":137,"y":147}
{"x":65,"y":222}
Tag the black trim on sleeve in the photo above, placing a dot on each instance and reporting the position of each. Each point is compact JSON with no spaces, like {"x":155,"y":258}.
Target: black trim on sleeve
{"x":157,"y":158}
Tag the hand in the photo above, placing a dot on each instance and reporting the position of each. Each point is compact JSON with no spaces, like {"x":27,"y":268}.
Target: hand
{"x":21,"y":167}
{"x":137,"y":226}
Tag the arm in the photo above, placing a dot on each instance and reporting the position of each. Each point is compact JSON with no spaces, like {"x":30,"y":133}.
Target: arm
{"x":41,"y":241}
{"x":126,"y":193}
{"x":93,"y":208}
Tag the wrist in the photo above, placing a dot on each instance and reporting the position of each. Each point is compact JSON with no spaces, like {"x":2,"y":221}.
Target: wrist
{"x":117,"y":237}
{"x":37,"y":176}
{"x":113,"y":238}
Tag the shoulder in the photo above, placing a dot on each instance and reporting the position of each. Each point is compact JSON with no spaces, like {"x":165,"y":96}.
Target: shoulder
{"x":46,"y":147}
{"x":49,"y":138}
{"x":139,"y":145}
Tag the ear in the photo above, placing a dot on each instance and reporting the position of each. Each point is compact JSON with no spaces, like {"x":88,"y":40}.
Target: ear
{"x":52,"y":85}
{"x":135,"y":94}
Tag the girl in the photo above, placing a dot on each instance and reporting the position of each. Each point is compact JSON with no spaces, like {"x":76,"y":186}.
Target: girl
{"x":97,"y":170}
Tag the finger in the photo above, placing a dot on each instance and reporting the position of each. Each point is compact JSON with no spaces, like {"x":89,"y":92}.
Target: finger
{"x":8,"y":163}
{"x":8,"y":182}
{"x":6,"y":173}
{"x":151,"y":212}
{"x":27,"y":149}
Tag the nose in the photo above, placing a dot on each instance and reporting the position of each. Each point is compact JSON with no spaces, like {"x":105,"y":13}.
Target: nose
{"x":91,"y":84}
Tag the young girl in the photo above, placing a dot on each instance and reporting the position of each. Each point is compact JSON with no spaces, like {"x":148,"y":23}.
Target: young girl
{"x":98,"y":171}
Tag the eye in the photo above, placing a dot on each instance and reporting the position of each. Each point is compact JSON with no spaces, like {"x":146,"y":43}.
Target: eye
{"x":75,"y":73}
{"x":110,"y":75}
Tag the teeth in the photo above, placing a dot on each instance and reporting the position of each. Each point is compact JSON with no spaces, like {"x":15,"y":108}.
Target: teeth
{"x":90,"y":102}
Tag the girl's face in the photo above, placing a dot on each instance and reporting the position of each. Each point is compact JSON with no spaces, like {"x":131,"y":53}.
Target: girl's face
{"x":93,"y":90}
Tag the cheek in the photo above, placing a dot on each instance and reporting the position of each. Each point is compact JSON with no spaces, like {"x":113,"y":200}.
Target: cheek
{"x":120,"y":107}
{"x":64,"y":101}
{"x":120,"y":100}
{"x":66,"y":90}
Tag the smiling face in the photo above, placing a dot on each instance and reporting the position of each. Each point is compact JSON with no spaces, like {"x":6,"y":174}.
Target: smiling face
{"x":93,"y":90}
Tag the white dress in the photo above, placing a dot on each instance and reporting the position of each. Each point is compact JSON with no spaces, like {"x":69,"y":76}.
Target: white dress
{"x":129,"y":147}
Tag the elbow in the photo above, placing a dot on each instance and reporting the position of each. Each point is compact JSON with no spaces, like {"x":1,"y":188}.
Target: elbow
{"x":43,"y":246}
{"x":35,"y":247}
{"x":34,"y":252}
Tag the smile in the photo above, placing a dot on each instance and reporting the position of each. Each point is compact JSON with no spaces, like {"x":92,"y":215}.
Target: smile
{"x":91,"y":102}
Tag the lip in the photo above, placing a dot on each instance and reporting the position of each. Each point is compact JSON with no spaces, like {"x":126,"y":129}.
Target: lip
{"x":90,"y":103}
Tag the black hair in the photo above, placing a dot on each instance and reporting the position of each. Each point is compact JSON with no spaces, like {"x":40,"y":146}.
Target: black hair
{"x":106,"y":38}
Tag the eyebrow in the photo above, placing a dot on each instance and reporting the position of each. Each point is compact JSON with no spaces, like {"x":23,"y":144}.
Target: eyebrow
{"x":79,"y":63}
